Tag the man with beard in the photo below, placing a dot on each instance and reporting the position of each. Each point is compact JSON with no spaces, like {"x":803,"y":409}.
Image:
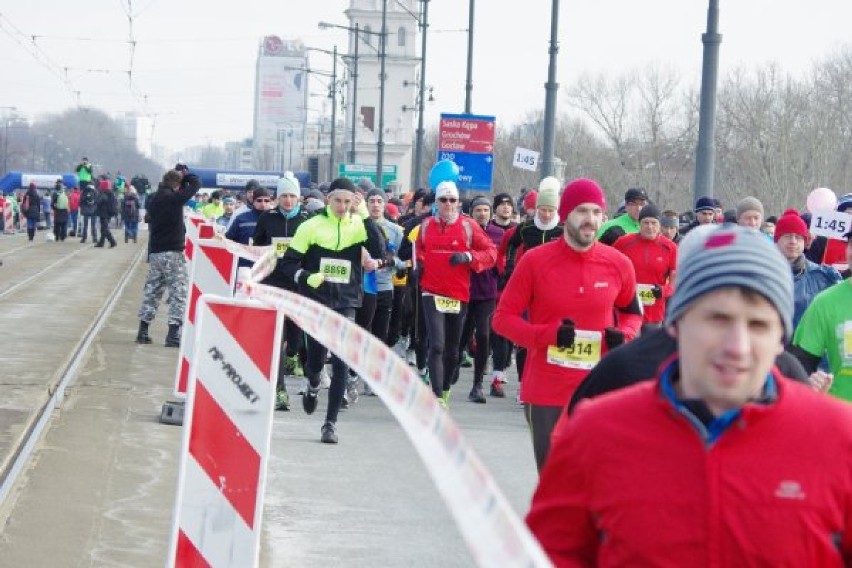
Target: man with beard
{"x":572,"y":290}
{"x":541,"y":228}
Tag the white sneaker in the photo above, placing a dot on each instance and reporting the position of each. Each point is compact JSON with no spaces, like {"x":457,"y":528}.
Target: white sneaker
{"x":352,"y":390}
{"x":325,"y":379}
{"x":400,"y":347}
{"x":499,"y":376}
{"x":411,"y":357}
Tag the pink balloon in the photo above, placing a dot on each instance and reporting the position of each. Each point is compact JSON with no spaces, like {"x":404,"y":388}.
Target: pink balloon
{"x":821,"y":199}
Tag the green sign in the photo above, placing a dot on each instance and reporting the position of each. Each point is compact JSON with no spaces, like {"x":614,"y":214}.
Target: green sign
{"x":357,"y":172}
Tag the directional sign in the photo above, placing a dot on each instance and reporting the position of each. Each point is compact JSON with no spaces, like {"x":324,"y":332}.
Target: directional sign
{"x":475,"y":170}
{"x":357,"y":172}
{"x":468,"y":140}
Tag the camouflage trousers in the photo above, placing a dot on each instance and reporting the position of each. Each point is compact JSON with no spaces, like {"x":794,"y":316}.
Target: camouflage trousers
{"x":166,"y":270}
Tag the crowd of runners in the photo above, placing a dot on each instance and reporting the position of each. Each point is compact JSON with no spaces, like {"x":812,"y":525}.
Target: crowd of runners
{"x":685,"y":377}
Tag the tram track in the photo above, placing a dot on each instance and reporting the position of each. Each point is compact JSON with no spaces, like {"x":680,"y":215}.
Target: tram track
{"x":39,"y":422}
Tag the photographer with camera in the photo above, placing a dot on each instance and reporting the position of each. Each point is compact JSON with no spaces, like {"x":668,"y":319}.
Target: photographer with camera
{"x":167,"y":267}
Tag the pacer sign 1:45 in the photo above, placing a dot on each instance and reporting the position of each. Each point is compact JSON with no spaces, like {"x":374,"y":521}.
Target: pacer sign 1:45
{"x":831,"y":224}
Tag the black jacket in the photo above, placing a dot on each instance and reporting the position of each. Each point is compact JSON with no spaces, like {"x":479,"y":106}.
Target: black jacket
{"x":274,"y":224}
{"x":88,"y":200}
{"x":31,"y":204}
{"x":164,"y":214}
{"x":107,"y":205}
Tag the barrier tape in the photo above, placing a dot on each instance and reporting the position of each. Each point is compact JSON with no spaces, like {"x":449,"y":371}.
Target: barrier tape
{"x":494,"y":533}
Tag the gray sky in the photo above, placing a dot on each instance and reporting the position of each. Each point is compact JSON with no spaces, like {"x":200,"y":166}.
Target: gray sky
{"x":193,"y":64}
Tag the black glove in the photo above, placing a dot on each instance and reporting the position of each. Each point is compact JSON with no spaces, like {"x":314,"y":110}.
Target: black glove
{"x":657,"y":291}
{"x":613,"y":337}
{"x":565,"y":334}
{"x":388,"y":260}
{"x":459,"y":258}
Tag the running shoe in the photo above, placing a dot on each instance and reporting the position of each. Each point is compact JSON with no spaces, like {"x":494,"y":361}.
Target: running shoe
{"x":476,"y":395}
{"x":282,"y":399}
{"x":328,"y":435}
{"x":497,"y":389}
{"x":310,"y":400}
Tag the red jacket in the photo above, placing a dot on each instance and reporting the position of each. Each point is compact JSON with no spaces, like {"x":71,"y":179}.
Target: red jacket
{"x":630,"y":482}
{"x":74,"y":200}
{"x":835,"y":252}
{"x":654,"y":261}
{"x":437,"y":241}
{"x":552,"y":282}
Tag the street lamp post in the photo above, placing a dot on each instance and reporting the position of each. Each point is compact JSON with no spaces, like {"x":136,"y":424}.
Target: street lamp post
{"x":355,"y":110}
{"x":468,"y":86}
{"x":418,"y":144}
{"x":333,"y":95}
{"x":705,"y":153}
{"x":6,"y":137}
{"x":551,"y":88}
{"x":380,"y":142}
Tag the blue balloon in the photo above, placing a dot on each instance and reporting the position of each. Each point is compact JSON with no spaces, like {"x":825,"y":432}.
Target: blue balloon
{"x":444,"y":170}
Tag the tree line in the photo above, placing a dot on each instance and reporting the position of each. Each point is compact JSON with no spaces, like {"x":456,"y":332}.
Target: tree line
{"x":777,"y":136}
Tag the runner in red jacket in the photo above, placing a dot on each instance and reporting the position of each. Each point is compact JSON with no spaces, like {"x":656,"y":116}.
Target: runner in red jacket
{"x":572,"y":289}
{"x":721,"y":461}
{"x":448,"y":247}
{"x":654,"y":257}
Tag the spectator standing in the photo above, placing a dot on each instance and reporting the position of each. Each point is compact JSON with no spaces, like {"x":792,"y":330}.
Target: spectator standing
{"x":106,"y":208}
{"x":166,"y":264}
{"x":130,"y":207}
{"x":31,"y":209}
{"x":88,"y":209}
{"x":60,"y":204}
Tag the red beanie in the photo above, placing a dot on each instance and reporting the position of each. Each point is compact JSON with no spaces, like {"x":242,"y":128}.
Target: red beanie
{"x":580,"y":191}
{"x":529,"y":199}
{"x":790,"y":222}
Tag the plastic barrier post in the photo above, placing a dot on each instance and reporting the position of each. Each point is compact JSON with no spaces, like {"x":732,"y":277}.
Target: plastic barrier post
{"x":225,"y":451}
{"x":213,"y":271}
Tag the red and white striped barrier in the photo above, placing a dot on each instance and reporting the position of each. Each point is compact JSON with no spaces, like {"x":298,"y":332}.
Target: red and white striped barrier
{"x":196,"y":228}
{"x":494,"y":533}
{"x":227,"y":435}
{"x":8,"y":220}
{"x":213,"y":271}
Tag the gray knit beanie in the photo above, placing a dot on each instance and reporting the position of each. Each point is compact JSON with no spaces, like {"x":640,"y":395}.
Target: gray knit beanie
{"x":376,"y":192}
{"x":480,"y":200}
{"x":749,"y":204}
{"x":730,"y":255}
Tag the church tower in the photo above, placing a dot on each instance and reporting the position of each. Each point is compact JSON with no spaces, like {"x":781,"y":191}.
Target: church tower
{"x":401,"y":72}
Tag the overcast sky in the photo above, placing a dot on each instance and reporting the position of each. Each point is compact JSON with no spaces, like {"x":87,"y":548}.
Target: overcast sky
{"x":193,"y":64}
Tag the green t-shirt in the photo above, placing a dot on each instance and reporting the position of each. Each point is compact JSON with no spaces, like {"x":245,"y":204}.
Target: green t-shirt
{"x":826,"y":328}
{"x":626,"y":222}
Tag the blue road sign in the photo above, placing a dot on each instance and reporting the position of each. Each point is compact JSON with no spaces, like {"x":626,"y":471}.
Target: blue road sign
{"x":468,"y":140}
{"x":475,"y":170}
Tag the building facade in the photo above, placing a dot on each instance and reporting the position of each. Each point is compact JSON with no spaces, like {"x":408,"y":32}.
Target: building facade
{"x":280,"y":105}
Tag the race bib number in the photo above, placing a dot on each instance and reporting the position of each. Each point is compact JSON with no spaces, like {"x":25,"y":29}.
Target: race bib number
{"x":447,"y":305}
{"x":584,"y":354}
{"x":646,"y":294}
{"x":280,"y":245}
{"x":847,"y":340}
{"x":336,"y":270}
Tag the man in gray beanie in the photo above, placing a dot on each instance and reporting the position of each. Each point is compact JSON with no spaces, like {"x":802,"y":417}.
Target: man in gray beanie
{"x":750,"y":213}
{"x":721,"y":430}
